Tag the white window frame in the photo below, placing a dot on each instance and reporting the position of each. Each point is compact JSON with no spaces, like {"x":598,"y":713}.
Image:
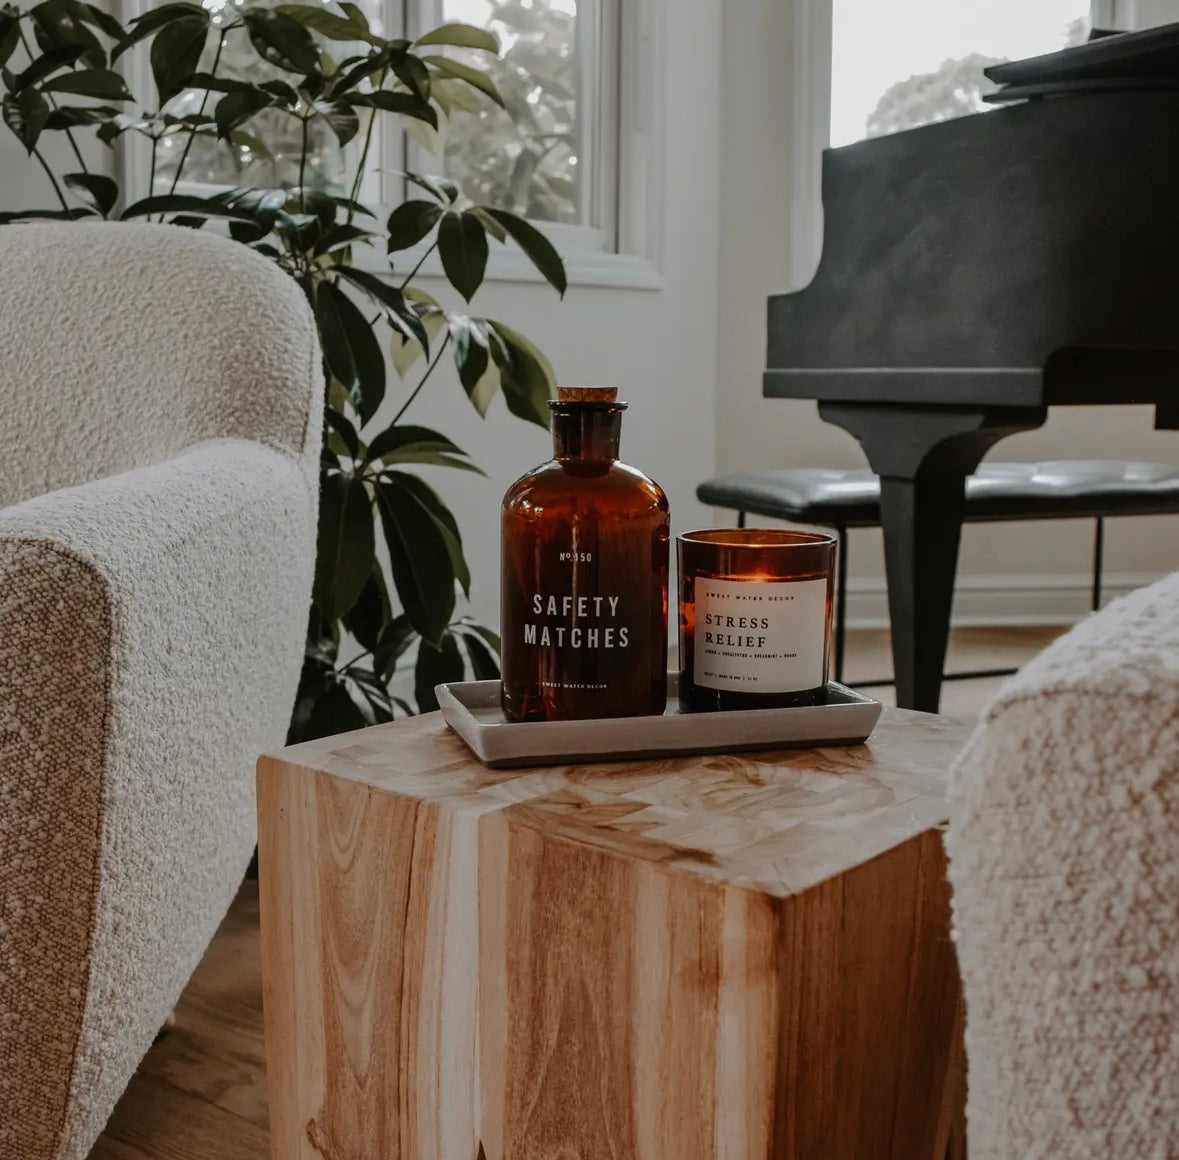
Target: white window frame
{"x":598,"y":149}
{"x":626,"y":251}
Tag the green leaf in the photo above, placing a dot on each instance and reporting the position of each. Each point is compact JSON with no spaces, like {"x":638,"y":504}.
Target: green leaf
{"x":184,"y":203}
{"x":484,"y":633}
{"x":419,"y":558}
{"x":9,"y":35}
{"x":526,"y":377}
{"x":395,"y":639}
{"x":463,"y":36}
{"x":431,"y":501}
{"x":62,"y":23}
{"x":440,"y":187}
{"x":96,"y":191}
{"x":332,"y":712}
{"x":351,"y":348}
{"x":410,"y":222}
{"x":431,"y":457}
{"x":55,"y":215}
{"x":368,"y":616}
{"x":282,"y":92}
{"x":471,"y":352}
{"x":405,"y":104}
{"x":464,"y":72}
{"x":342,"y":426}
{"x":345,"y":550}
{"x":483,"y":662}
{"x":255,"y":145}
{"x":340,"y":117}
{"x":436,"y":666}
{"x":326,"y":23}
{"x":282,"y":41}
{"x":400,"y":314}
{"x":25,"y":114}
{"x":152,"y":21}
{"x":407,"y":351}
{"x":412,"y":73}
{"x":90,"y":82}
{"x":535,"y":245}
{"x":45,"y":64}
{"x":176,"y":54}
{"x":102,"y":20}
{"x":236,"y":108}
{"x":490,"y":224}
{"x":340,"y":236}
{"x":412,"y":444}
{"x":70,"y":116}
{"x":462,"y":245}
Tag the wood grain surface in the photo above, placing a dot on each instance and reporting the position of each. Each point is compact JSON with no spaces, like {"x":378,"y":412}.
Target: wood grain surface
{"x":687,"y":959}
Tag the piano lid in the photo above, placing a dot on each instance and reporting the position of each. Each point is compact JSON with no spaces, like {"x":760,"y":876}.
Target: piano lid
{"x":960,"y":257}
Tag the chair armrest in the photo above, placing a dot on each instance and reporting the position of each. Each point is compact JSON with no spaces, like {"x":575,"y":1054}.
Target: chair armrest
{"x":1064,"y":826}
{"x":151,"y":632}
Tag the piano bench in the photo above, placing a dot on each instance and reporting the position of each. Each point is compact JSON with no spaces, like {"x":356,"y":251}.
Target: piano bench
{"x":1069,"y":489}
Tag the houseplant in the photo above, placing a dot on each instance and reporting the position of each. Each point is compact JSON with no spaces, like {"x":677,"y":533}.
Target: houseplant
{"x":390,"y":554}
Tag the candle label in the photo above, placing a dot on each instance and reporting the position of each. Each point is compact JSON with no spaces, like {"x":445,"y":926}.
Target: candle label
{"x":755,"y":637}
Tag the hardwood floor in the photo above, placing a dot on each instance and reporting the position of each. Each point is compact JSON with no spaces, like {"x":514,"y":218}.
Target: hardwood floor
{"x":200,"y":1093}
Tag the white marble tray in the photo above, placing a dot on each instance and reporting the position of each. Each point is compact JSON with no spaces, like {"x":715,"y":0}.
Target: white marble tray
{"x":472,"y":710}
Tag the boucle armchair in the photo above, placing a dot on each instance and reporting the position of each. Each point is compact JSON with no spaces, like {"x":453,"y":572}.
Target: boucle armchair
{"x":1064,"y":861}
{"x":157,"y":527}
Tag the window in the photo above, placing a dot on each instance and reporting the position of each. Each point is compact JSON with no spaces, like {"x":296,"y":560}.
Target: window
{"x":937,"y":50}
{"x":266,"y":151}
{"x":545,"y":156}
{"x":551,"y":155}
{"x":580,"y":149}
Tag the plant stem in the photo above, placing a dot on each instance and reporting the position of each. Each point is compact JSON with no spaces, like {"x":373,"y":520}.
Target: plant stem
{"x":200,"y":113}
{"x":53,"y":103}
{"x":410,"y":276}
{"x":53,"y":182}
{"x":151,"y":177}
{"x":368,"y":137}
{"x":302,"y":168}
{"x":417,"y":390}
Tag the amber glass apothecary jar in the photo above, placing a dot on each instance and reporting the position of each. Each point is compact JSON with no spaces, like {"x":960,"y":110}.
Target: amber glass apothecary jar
{"x":755,"y":618}
{"x":584,"y":577}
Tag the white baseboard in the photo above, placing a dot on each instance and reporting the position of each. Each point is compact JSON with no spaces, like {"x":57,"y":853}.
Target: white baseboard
{"x":1050,"y":598}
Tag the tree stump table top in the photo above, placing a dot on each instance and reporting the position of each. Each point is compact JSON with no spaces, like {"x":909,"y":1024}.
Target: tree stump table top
{"x":691,"y":958}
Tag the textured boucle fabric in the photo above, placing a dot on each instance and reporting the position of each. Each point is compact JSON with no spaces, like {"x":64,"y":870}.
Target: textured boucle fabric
{"x":151,"y":631}
{"x":1064,"y":860}
{"x":123,"y":344}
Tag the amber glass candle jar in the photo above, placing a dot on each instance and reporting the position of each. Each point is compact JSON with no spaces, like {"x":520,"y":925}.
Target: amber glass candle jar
{"x":755,"y":618}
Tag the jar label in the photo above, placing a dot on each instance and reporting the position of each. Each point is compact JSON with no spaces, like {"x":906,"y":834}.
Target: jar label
{"x":760,"y":637}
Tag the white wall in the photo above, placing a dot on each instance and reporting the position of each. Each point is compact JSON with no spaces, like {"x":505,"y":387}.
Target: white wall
{"x":1030,"y":572}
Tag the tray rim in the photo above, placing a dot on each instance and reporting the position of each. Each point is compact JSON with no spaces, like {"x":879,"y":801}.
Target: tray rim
{"x":485,"y":739}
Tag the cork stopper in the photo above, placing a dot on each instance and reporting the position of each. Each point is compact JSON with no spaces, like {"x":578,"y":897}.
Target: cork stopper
{"x":587,"y":394}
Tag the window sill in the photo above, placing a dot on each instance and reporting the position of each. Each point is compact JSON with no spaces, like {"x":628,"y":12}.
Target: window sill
{"x":583,"y":268}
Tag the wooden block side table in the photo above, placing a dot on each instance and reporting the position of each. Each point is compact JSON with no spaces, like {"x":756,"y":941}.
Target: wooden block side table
{"x":712,"y":958}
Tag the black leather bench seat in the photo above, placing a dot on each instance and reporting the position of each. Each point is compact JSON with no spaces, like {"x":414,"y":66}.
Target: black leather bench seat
{"x":1071,"y":488}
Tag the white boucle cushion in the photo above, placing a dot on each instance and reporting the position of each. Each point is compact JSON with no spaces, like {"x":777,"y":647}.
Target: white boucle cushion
{"x":1064,"y":860}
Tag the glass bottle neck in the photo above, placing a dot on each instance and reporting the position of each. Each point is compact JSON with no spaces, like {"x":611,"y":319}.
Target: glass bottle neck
{"x":587,"y":434}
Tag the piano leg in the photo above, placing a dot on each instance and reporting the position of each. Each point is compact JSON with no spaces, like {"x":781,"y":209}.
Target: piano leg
{"x":923,"y":455}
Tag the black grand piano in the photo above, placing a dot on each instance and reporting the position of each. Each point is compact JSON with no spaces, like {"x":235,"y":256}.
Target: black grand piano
{"x":977,"y":272}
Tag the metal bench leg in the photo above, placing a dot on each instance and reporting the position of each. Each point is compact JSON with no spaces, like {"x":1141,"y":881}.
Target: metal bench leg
{"x":841,"y":604}
{"x":1098,"y":555}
